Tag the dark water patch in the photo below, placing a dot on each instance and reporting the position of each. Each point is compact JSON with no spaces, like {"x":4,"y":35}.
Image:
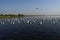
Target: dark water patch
{"x":29,"y":32}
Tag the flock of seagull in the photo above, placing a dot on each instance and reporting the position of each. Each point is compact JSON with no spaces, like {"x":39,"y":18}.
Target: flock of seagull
{"x":31,"y":20}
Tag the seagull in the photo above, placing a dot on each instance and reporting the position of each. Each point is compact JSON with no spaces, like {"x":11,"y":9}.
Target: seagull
{"x":40,"y":22}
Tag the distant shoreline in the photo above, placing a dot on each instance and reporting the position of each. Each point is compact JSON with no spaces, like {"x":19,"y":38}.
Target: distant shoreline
{"x":20,"y":15}
{"x":11,"y":15}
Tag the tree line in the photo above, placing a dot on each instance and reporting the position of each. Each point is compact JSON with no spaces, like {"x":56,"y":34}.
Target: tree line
{"x":11,"y":15}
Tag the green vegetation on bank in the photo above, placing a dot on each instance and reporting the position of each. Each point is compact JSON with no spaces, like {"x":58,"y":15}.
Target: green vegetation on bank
{"x":11,"y":15}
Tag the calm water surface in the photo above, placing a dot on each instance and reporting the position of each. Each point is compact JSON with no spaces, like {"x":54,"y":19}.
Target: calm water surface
{"x":29,"y":32}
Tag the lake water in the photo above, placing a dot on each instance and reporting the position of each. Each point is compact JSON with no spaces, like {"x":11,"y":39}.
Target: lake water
{"x":44,"y":28}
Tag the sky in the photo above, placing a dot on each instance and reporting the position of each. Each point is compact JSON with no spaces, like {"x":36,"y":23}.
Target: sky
{"x":30,"y":7}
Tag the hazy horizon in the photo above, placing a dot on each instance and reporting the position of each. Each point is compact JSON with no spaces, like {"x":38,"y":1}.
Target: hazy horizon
{"x":30,"y":7}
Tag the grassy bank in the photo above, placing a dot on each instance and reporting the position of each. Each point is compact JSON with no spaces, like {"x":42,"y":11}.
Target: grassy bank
{"x":11,"y":15}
